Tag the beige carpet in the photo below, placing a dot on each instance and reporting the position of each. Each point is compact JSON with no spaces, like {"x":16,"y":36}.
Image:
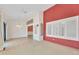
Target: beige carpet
{"x":26,"y":46}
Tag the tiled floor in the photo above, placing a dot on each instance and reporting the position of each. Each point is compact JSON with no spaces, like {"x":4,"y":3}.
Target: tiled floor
{"x":26,"y":46}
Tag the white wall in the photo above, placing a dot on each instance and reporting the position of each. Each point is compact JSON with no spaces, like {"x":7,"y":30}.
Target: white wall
{"x":37,"y":29}
{"x":37,"y":17}
{"x":1,"y":32}
{"x":17,"y":28}
{"x":35,"y":13}
{"x":1,"y":37}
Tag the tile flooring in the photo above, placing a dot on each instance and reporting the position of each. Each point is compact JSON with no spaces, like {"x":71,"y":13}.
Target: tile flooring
{"x":26,"y":46}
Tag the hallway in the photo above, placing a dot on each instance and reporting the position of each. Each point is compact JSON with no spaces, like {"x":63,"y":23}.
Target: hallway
{"x":26,"y":46}
{"x":44,"y":24}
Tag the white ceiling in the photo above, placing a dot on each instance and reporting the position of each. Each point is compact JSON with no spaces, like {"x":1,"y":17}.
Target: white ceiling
{"x":18,"y":11}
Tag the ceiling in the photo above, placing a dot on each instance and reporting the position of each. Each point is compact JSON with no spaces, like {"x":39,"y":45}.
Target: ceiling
{"x":18,"y":11}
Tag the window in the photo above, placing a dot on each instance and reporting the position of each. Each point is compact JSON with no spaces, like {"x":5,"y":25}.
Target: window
{"x":63,"y":28}
{"x":71,"y":29}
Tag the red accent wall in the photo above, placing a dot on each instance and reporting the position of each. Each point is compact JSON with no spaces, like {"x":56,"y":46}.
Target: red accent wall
{"x":60,"y":11}
{"x":30,"y":28}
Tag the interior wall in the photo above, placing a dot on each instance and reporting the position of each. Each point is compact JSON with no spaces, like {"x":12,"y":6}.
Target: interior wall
{"x":1,"y":33}
{"x":37,"y":27}
{"x":57,"y":12}
{"x":30,"y":22}
{"x":17,"y":29}
{"x":1,"y":40}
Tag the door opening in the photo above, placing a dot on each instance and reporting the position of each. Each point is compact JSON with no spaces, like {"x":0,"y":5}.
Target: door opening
{"x":4,"y":30}
{"x":30,"y":32}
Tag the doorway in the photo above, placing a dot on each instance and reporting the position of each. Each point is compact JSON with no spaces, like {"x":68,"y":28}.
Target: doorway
{"x":4,"y":29}
{"x":4,"y":32}
{"x":30,"y":28}
{"x":30,"y":31}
